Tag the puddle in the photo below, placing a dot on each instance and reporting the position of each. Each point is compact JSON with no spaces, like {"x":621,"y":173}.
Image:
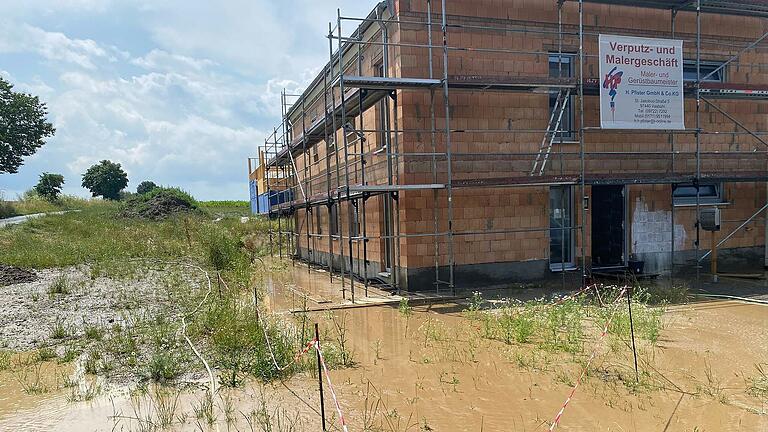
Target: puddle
{"x":433,"y":370}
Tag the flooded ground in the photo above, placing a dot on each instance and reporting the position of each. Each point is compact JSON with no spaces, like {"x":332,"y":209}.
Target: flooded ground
{"x":429,"y":368}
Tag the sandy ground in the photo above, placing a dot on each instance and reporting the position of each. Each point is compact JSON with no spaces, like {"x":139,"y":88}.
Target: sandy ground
{"x":452,"y":381}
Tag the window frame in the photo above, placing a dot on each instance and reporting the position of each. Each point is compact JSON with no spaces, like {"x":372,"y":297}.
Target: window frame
{"x":690,"y":199}
{"x":706,"y":67}
{"x":569,"y":117}
{"x":354,"y":219}
{"x":333,"y":220}
{"x":569,"y":263}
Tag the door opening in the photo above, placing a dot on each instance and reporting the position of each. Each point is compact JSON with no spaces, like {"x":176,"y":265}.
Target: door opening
{"x":608,"y":215}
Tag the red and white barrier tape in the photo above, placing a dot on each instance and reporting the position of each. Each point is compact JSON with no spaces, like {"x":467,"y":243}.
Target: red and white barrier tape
{"x":568,"y":297}
{"x":559,"y":415}
{"x":296,"y":358}
{"x":330,"y":387}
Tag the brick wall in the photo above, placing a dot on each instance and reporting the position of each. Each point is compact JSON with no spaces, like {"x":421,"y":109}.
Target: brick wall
{"x":497,"y":134}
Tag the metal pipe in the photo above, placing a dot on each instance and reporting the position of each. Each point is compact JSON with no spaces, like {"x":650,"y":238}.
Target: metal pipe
{"x":673,"y":17}
{"x":346,"y":173}
{"x":363,"y":162}
{"x":433,"y":142}
{"x":326,"y":79}
{"x":581,"y":146}
{"x":449,"y":180}
{"x":698,"y":138}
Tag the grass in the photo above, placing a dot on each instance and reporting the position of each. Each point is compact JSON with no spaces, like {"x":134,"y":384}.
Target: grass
{"x":60,"y":286}
{"x":5,"y":360}
{"x":93,"y":332}
{"x":31,"y":203}
{"x":59,"y":330}
{"x":46,"y":354}
{"x":551,"y":327}
{"x":566,"y":326}
{"x":226,"y":209}
{"x":758,"y":385}
{"x":97,"y":236}
{"x":147,"y":344}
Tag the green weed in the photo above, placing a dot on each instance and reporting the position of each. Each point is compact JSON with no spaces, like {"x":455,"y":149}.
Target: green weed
{"x":758,"y":385}
{"x":59,"y":330}
{"x":45,"y":354}
{"x":60,"y":286}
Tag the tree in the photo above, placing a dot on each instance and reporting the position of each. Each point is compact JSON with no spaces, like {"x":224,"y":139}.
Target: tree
{"x":49,"y":186}
{"x":23,"y":127}
{"x":106,"y":179}
{"x":145,"y":187}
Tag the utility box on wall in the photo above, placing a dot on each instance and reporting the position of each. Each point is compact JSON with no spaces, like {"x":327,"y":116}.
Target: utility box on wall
{"x":710,"y":219}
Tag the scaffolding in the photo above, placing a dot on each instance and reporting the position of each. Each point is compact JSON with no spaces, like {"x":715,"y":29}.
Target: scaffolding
{"x":331,"y":111}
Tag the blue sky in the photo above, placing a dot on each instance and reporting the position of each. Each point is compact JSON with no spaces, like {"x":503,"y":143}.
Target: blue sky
{"x":180,"y":92}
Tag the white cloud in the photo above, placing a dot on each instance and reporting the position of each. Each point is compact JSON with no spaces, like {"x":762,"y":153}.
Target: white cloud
{"x":162,"y":60}
{"x":257,"y":36}
{"x":168,"y":127}
{"x":52,"y":46}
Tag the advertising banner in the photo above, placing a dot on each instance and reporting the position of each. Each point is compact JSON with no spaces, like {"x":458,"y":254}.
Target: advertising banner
{"x":641,"y":83}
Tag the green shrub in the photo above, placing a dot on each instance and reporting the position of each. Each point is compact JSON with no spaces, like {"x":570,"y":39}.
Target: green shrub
{"x":221,"y":248}
{"x":239,"y":345}
{"x":163,"y":366}
{"x":6,"y":209}
{"x":145,"y":187}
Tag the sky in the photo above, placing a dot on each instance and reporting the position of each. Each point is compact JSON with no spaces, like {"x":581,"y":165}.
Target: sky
{"x":179,"y":92}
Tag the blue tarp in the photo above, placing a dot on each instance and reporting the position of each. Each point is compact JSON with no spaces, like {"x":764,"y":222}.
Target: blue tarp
{"x":260,"y":202}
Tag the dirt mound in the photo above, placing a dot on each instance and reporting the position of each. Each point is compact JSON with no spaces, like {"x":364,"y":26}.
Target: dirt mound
{"x":159,"y":204}
{"x":10,"y":275}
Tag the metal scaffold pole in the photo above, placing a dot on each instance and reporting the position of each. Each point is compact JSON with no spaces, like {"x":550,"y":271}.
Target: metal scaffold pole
{"x":387,"y":135}
{"x":326,"y":78}
{"x":582,"y":181}
{"x":698,"y":141}
{"x":269,"y":203}
{"x":363,"y":201}
{"x":307,"y":188}
{"x":433,"y":141}
{"x":280,"y":194}
{"x":345,"y":142}
{"x":449,"y":180}
{"x":672,"y":187}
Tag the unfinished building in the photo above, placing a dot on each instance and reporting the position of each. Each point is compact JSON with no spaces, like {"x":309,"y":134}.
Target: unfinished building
{"x":458,"y":143}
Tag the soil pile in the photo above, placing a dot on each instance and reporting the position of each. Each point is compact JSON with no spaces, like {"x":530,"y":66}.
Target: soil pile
{"x":10,"y":275}
{"x":158,"y":204}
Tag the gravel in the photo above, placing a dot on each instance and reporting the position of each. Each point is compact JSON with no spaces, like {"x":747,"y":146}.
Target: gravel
{"x":29,"y":312}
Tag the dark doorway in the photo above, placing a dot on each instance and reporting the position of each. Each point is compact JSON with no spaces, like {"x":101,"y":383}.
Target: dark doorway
{"x":607,"y":226}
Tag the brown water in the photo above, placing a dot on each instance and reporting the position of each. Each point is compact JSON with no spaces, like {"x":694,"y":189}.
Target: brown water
{"x":434,"y":371}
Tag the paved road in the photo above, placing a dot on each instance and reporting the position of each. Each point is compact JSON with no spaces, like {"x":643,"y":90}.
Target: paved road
{"x":19,"y":219}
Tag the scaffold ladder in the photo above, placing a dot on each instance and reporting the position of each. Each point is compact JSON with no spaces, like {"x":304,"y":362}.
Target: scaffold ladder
{"x":555,"y":120}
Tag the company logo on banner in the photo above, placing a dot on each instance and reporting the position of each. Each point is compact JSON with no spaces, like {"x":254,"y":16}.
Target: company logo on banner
{"x":641,"y":83}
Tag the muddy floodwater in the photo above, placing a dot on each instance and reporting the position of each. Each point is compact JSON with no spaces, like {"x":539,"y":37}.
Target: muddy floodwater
{"x":430,"y":369}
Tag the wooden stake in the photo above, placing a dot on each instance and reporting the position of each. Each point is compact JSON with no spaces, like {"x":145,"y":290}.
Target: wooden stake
{"x":714,"y":257}
{"x":632,"y":332}
{"x":320,"y":375}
